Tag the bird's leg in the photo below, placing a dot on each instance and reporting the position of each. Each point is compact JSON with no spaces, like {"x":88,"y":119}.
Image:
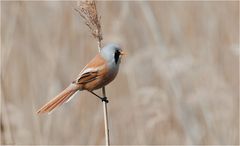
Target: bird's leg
{"x":95,"y":94}
{"x":102,"y":98}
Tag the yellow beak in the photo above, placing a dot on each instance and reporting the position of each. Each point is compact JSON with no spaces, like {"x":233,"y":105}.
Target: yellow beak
{"x":123,"y":53}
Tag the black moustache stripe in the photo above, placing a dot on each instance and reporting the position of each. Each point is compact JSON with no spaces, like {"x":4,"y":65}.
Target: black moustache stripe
{"x":116,"y":56}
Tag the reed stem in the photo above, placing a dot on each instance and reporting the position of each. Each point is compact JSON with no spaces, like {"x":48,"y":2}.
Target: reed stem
{"x":88,"y":11}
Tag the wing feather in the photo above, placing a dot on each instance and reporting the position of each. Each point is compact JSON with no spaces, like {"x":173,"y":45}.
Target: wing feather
{"x":94,"y":70}
{"x":87,"y":77}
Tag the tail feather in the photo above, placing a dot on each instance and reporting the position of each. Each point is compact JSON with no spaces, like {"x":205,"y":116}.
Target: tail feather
{"x":58,"y":100}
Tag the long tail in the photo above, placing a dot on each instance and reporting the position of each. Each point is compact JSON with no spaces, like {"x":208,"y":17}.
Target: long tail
{"x":61,"y":98}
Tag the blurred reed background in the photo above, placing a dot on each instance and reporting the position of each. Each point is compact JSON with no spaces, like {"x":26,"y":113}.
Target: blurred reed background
{"x":178,"y":84}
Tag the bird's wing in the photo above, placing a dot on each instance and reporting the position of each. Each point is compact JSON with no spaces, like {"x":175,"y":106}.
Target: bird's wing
{"x":86,"y":77}
{"x":95,"y":68}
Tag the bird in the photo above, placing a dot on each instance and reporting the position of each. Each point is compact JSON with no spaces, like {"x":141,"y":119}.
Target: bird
{"x":99,"y":72}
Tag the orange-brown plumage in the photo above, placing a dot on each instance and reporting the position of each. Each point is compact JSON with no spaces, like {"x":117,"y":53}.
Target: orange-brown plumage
{"x":94,"y":79}
{"x":100,"y":71}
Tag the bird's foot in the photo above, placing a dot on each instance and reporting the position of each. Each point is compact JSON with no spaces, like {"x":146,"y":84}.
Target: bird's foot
{"x":104,"y":99}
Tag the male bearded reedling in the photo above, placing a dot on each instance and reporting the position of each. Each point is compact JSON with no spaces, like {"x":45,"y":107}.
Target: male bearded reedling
{"x":99,"y":72}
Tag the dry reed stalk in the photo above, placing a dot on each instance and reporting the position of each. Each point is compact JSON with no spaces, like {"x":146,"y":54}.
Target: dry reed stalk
{"x":88,"y":11}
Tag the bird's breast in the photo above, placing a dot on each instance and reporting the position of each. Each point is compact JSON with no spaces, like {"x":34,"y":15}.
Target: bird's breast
{"x":110,"y":75}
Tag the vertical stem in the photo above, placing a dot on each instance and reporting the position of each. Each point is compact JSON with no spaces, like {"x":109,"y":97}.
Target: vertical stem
{"x":96,"y":27}
{"x":105,"y":119}
{"x":105,"y":108}
{"x":99,"y":46}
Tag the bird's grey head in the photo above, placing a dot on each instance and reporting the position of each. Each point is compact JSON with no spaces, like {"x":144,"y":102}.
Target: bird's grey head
{"x":112,"y":52}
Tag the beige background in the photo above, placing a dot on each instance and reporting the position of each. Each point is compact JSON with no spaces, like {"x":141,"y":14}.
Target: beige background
{"x":178,"y":85}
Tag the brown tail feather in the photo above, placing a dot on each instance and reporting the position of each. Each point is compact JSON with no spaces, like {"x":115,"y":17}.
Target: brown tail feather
{"x":57,"y":101}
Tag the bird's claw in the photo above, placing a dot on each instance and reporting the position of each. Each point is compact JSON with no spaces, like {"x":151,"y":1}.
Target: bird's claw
{"x":104,"y":99}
